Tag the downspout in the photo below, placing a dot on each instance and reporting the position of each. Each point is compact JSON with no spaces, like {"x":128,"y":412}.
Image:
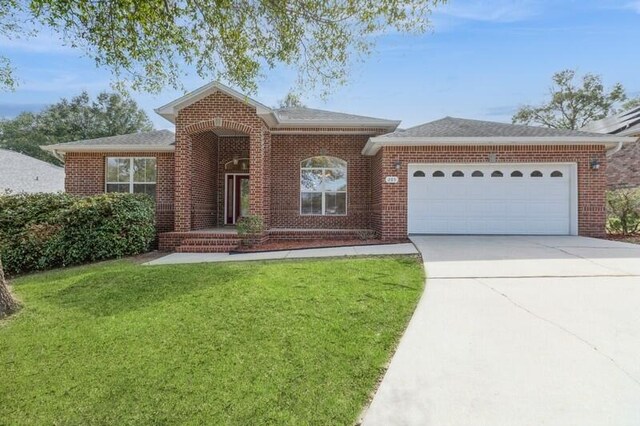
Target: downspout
{"x":613,"y":150}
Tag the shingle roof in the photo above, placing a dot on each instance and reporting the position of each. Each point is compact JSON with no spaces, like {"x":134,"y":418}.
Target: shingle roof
{"x":306,"y":115}
{"x":21,"y":173}
{"x":451,"y":127}
{"x":152,"y":138}
{"x":623,"y":124}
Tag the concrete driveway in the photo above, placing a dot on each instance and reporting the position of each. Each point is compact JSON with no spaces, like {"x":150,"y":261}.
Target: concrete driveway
{"x":519,"y":331}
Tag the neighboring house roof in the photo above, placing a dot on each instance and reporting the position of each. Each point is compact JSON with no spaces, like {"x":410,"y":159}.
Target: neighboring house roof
{"x":626,"y":123}
{"x":623,"y":169}
{"x":155,"y":140}
{"x":278,"y":117}
{"x":21,"y":173}
{"x":451,"y":130}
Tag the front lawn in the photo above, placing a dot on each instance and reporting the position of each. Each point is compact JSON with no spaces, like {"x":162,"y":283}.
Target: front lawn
{"x":291,"y":342}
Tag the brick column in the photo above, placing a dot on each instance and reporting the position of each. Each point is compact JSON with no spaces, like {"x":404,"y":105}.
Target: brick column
{"x":182,"y":198}
{"x":259,"y":158}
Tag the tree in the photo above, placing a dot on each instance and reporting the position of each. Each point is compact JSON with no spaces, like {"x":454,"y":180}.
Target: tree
{"x":292,"y":100}
{"x":109,"y":114}
{"x":8,"y":304}
{"x":572,"y":106}
{"x":149,"y":43}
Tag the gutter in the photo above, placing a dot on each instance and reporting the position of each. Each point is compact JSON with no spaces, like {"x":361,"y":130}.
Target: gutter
{"x":374,"y":144}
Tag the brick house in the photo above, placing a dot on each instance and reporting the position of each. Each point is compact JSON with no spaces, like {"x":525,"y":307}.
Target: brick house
{"x":318,"y":174}
{"x":624,"y":165}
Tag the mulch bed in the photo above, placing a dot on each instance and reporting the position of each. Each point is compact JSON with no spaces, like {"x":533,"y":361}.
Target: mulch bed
{"x":635,"y":239}
{"x":306,"y":244}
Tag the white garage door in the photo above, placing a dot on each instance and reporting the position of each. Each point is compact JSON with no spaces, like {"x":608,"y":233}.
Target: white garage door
{"x":492,"y":199}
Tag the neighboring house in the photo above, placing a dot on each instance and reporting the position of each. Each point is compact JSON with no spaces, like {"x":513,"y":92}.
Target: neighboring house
{"x":319,"y":174}
{"x":624,"y":165}
{"x":21,"y":173}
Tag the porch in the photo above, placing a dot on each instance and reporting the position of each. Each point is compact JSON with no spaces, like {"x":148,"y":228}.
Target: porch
{"x":226,"y":239}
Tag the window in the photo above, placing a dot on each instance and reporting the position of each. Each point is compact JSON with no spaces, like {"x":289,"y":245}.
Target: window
{"x":419,"y":173}
{"x":477,"y":173}
{"x":133,"y":175}
{"x":497,"y":173}
{"x":557,"y":173}
{"x":323,"y":186}
{"x":438,"y":173}
{"x":516,"y":173}
{"x":457,"y":173}
{"x":536,"y":173}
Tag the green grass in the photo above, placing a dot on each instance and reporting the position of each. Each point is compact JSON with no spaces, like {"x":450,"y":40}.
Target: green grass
{"x":291,"y":342}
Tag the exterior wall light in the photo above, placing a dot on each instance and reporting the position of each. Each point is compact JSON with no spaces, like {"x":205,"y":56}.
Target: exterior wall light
{"x":595,"y":164}
{"x":397,"y":164}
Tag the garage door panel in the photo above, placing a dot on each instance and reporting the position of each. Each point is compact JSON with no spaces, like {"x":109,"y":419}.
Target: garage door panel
{"x":490,"y":205}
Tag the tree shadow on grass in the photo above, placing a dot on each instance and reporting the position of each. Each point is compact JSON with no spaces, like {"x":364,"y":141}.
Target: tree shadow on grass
{"x":107,"y":293}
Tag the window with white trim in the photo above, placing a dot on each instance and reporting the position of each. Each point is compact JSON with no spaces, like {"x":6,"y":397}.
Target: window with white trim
{"x":323,"y":186}
{"x":133,"y":175}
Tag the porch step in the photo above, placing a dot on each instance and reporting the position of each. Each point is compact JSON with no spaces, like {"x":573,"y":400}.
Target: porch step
{"x":205,"y":248}
{"x":233,"y":242}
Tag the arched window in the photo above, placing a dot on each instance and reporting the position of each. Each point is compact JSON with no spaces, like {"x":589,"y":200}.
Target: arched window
{"x":419,"y":173}
{"x":438,"y":173}
{"x":497,"y":173}
{"x":323,"y":186}
{"x":516,"y":173}
{"x":457,"y":173}
{"x":536,"y":173}
{"x":477,"y":173}
{"x":557,"y":173}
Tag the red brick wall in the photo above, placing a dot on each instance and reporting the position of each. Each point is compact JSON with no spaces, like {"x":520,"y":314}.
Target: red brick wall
{"x":85,"y":175}
{"x":623,"y":170}
{"x":204,"y":176}
{"x":220,"y":111}
{"x":390,"y":200}
{"x":287,"y":153}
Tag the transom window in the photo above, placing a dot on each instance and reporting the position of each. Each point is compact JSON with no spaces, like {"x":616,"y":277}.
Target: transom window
{"x":133,"y":175}
{"x":323,"y":186}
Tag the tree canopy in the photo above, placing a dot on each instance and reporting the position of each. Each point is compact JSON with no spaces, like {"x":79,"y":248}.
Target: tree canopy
{"x":571,"y":104}
{"x":150,"y":44}
{"x":291,"y":100}
{"x":109,"y":114}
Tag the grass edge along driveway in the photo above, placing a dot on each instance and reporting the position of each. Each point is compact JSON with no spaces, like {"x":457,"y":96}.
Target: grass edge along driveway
{"x":286,"y":342}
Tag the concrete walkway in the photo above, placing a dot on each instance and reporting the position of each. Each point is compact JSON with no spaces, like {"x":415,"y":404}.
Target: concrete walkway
{"x":371,"y":250}
{"x":519,"y":331}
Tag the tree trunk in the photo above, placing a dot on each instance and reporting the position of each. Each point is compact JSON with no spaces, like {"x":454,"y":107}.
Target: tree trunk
{"x":8,"y":304}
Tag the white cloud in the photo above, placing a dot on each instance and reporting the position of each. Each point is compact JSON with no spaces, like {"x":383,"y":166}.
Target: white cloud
{"x":43,"y":42}
{"x":490,"y":10}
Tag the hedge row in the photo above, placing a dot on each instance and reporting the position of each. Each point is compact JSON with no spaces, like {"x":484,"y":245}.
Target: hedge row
{"x":42,"y":231}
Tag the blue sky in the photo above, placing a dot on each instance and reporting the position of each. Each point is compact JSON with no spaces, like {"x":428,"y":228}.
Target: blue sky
{"x":482,"y":59}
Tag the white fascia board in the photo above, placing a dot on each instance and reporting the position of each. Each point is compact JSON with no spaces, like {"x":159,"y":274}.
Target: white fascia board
{"x":375,"y":143}
{"x":108,"y":148}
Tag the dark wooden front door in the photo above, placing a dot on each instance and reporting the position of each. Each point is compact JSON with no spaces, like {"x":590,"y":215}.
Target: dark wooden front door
{"x":236,"y":197}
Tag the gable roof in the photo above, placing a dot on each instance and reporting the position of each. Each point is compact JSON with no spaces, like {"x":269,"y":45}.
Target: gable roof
{"x":462,"y":131}
{"x":170,"y":110}
{"x":626,"y":123}
{"x":21,"y":173}
{"x":452,"y":127}
{"x":277,"y":117}
{"x":155,"y":140}
{"x":302,"y":115}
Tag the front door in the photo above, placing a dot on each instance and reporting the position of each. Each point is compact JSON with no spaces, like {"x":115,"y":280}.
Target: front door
{"x":236,"y":197}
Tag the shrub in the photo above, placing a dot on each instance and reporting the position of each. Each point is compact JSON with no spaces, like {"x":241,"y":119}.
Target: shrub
{"x":41,"y":231}
{"x":623,"y":207}
{"x":250,"y":229}
{"x":250,"y":225}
